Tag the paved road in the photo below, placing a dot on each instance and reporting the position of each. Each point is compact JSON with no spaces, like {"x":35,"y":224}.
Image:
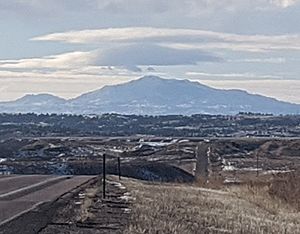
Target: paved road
{"x":21,"y":193}
{"x":159,"y":138}
{"x":12,"y":183}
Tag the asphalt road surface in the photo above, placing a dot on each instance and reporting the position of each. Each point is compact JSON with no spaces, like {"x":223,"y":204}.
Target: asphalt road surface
{"x":19,"y":194}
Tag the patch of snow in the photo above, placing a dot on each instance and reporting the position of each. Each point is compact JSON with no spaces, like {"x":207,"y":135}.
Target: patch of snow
{"x":117,"y":184}
{"x":186,"y":128}
{"x":157,"y":144}
{"x":116,"y":151}
{"x":229,"y":168}
{"x":231,"y":181}
{"x":184,"y":141}
{"x":43,"y":124}
{"x":126,"y":210}
{"x":3,"y":160}
{"x":276,"y":171}
{"x":126,"y":198}
{"x":189,"y":151}
{"x":250,"y":169}
{"x":233,"y":168}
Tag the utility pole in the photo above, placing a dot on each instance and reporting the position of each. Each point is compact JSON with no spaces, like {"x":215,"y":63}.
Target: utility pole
{"x":202,"y":154}
{"x":104,"y":175}
{"x":119,"y":168}
{"x":257,"y":164}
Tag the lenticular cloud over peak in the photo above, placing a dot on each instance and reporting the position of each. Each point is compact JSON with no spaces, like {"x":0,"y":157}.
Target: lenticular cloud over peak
{"x":52,"y":44}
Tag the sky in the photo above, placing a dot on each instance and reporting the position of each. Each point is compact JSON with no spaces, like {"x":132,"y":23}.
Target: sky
{"x":69,"y":47}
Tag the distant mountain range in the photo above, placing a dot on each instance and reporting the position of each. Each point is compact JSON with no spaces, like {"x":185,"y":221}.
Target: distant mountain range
{"x":152,"y":95}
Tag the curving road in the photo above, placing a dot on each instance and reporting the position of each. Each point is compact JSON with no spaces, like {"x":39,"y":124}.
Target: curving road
{"x":19,"y":194}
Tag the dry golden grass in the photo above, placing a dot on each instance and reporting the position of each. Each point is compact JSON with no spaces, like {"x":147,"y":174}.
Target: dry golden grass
{"x":214,"y":182}
{"x":287,"y":188}
{"x":183,"y":209}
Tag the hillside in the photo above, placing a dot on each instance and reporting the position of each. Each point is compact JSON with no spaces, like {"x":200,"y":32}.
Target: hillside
{"x":181,"y":208}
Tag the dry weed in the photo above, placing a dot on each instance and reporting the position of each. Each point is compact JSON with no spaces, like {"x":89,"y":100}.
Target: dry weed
{"x":190,"y":209}
{"x":85,"y":213}
{"x":287,"y":188}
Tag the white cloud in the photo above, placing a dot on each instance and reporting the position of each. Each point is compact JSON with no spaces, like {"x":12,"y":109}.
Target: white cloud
{"x":179,"y":38}
{"x":129,"y":34}
{"x":66,"y":60}
{"x":284,"y":3}
{"x":136,"y":34}
{"x":259,"y":60}
{"x":128,"y":56}
{"x":231,"y":76}
{"x":152,"y":55}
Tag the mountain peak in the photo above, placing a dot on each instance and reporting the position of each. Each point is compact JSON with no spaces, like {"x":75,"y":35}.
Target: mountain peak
{"x":42,"y":98}
{"x":151,"y":77}
{"x":153,"y":95}
{"x":39,"y":95}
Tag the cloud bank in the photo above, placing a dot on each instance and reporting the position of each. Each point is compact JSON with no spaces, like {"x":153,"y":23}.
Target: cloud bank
{"x":178,"y":38}
{"x":128,"y":56}
{"x":138,"y":6}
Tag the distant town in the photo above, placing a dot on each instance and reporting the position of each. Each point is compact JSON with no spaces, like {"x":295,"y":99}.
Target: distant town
{"x":210,"y":126}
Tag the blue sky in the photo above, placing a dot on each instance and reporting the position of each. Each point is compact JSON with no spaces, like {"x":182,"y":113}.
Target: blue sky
{"x":67,"y":47}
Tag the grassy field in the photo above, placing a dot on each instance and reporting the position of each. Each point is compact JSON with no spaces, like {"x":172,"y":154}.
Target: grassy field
{"x":248,"y":208}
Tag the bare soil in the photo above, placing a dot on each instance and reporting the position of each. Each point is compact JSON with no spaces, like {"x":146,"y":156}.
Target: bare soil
{"x":88,"y":212}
